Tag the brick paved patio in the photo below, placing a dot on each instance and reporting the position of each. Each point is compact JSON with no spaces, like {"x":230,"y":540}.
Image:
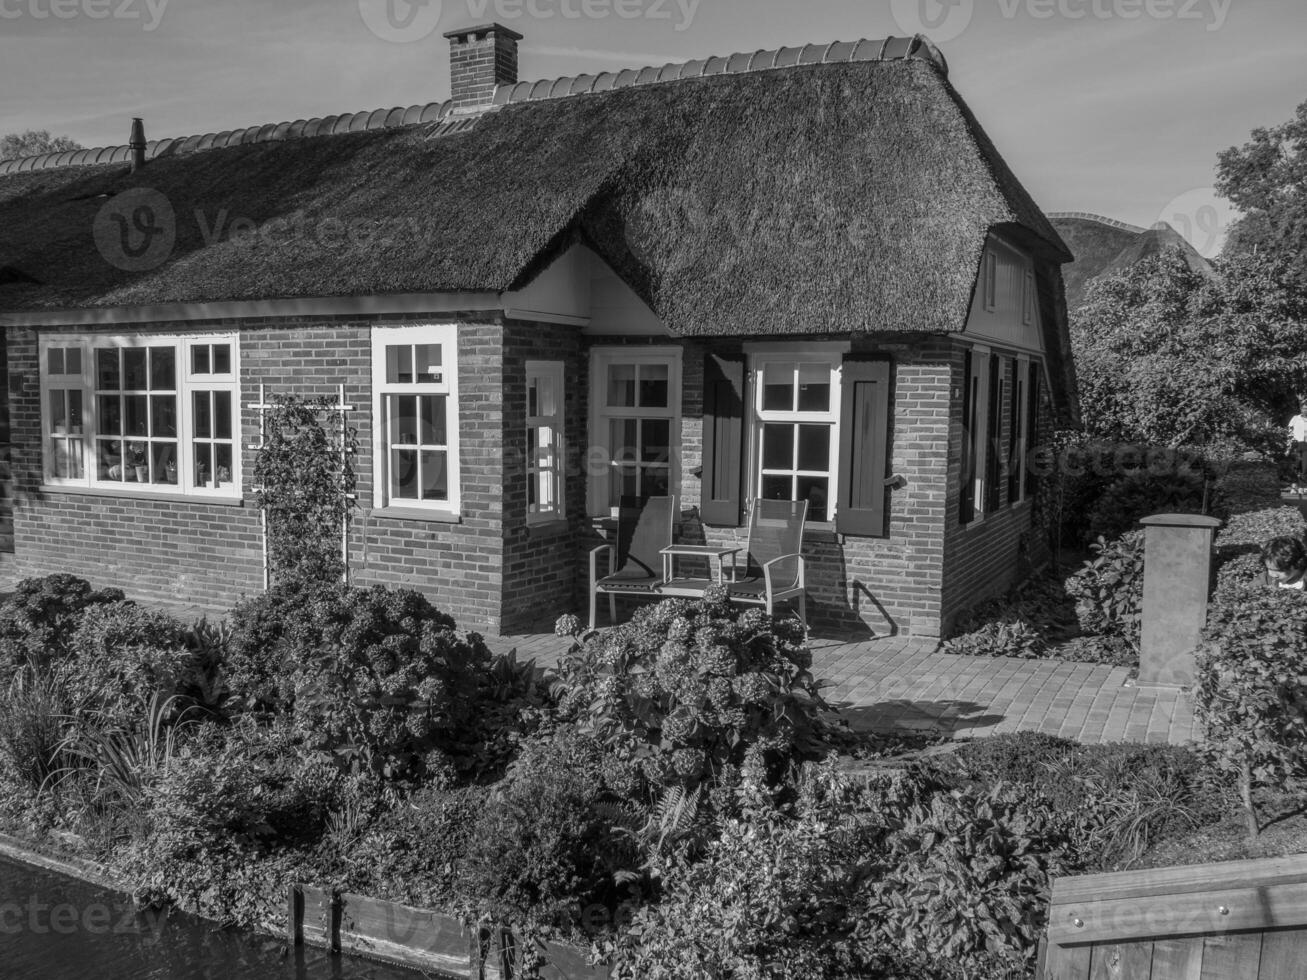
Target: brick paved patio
{"x":900,"y":684}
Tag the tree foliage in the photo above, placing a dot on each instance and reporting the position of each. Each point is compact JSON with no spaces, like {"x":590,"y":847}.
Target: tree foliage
{"x":1266,"y":179}
{"x":1169,"y":356}
{"x":34,"y":142}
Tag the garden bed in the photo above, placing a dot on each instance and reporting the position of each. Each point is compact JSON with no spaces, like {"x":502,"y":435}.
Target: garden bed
{"x":672,"y":801}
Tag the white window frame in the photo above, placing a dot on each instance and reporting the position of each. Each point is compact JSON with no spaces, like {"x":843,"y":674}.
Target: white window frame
{"x":1028,"y":299}
{"x":990,"y":279}
{"x":600,"y":461}
{"x":553,"y":373}
{"x":979,"y":434}
{"x":828,"y":355}
{"x":187,"y":384}
{"x":446,"y":336}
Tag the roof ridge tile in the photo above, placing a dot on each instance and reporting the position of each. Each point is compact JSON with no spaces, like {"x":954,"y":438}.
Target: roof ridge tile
{"x":833,"y":52}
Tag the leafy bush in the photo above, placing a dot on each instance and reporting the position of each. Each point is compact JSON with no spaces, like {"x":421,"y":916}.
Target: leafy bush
{"x":413,"y":853}
{"x":965,"y":876}
{"x":821,"y":889}
{"x":1237,"y":573}
{"x":382,"y":681}
{"x":1246,"y":486}
{"x":33,"y":723}
{"x":38,"y":619}
{"x":1252,"y":687}
{"x":1251,"y":529}
{"x":121,"y":655}
{"x":1008,"y":637}
{"x":1123,"y":502}
{"x":686,"y":689}
{"x":254,"y":666}
{"x":247,"y":785}
{"x":1109,"y":589}
{"x":545,"y":847}
{"x":1116,"y":800}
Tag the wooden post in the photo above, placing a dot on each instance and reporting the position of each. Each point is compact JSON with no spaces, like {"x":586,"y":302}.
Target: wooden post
{"x":295,"y":914}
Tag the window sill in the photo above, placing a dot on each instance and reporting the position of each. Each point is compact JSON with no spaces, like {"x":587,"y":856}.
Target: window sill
{"x":172,"y":498}
{"x":545,"y":529}
{"x":415,"y":514}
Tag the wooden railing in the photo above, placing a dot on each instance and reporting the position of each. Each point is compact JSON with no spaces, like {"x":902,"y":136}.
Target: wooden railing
{"x":1238,"y":920}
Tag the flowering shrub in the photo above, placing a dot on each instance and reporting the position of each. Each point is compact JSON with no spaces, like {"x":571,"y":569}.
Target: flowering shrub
{"x":382,"y":681}
{"x":121,"y":655}
{"x":1252,"y":687}
{"x":686,"y":689}
{"x":1109,"y":589}
{"x":38,"y":619}
{"x":254,"y":666}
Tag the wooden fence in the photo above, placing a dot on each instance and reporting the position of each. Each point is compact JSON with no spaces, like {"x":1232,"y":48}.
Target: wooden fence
{"x":431,"y":941}
{"x":1238,"y":920}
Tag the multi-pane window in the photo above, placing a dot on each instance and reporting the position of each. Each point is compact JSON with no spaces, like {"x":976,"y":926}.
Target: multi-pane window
{"x":544,"y":438}
{"x":636,"y":397}
{"x":64,"y":418}
{"x":975,"y":429}
{"x":132,"y":413}
{"x":796,"y":412}
{"x":136,"y":414}
{"x":212,"y":429}
{"x":415,"y":390}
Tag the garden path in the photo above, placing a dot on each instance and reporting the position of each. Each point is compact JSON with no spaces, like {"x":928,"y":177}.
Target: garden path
{"x":899,"y":684}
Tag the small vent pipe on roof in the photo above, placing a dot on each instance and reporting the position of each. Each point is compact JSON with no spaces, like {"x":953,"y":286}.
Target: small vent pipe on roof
{"x":137,"y":144}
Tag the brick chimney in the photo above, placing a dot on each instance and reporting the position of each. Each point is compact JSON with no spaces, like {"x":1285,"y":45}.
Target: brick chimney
{"x":479,"y":59}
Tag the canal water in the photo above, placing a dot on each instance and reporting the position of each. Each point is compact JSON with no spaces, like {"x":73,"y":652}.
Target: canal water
{"x":57,"y":928}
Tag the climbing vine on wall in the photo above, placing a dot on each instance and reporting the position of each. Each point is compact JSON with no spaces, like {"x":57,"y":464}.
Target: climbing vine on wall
{"x":305,"y":474}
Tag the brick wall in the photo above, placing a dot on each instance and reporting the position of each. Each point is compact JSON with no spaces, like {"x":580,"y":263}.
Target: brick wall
{"x":865,"y":586}
{"x":987,"y":557}
{"x":541,"y":561}
{"x":209,"y":554}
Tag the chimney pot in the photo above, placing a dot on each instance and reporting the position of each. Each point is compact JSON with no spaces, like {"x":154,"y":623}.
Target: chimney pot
{"x":481,"y":59}
{"x":137,"y":144}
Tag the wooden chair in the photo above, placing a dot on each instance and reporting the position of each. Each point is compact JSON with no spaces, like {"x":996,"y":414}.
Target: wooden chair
{"x":775,"y":565}
{"x":635,"y":561}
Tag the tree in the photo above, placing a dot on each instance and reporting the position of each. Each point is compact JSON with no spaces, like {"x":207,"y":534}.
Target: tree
{"x":1266,"y":179}
{"x":33,"y":143}
{"x":1172,"y":357}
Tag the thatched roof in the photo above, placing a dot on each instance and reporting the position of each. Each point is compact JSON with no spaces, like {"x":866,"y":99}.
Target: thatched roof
{"x":1103,"y":246}
{"x":819,"y":198}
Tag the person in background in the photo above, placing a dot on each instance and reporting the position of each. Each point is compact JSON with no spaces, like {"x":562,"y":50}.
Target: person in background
{"x":1298,"y":448}
{"x":1286,"y":563}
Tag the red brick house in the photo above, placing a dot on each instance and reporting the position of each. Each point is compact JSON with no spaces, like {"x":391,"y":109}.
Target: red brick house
{"x":803,"y":273}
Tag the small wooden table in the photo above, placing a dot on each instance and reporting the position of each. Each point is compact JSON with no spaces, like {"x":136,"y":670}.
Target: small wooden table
{"x":693,"y":586}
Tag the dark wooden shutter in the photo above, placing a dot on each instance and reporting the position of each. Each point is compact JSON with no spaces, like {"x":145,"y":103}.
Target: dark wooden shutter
{"x":967,"y":498}
{"x":864,"y":448}
{"x":723,"y":439}
{"x":1014,"y":434}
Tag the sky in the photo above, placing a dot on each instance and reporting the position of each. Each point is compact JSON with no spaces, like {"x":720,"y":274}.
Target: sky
{"x":1116,"y":107}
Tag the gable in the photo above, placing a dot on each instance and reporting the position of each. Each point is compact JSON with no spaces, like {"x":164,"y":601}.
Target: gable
{"x":1005,"y":305}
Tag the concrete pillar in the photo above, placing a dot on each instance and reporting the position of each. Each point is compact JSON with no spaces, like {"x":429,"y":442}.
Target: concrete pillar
{"x":1177,"y":572}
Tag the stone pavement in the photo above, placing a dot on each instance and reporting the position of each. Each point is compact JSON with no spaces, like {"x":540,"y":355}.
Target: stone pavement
{"x":898,"y":684}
